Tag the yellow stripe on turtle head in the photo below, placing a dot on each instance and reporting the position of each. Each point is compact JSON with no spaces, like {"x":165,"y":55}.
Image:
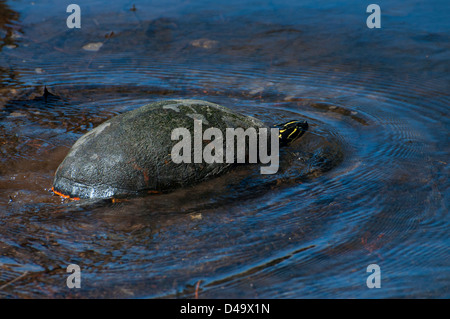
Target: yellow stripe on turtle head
{"x":295,"y":130}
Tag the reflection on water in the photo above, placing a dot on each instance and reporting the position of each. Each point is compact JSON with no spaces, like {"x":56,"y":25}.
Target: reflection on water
{"x":8,"y":26}
{"x":367,"y":183}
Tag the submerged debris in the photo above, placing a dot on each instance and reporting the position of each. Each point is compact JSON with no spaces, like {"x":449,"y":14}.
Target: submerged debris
{"x":204,"y":43}
{"x":93,"y":47}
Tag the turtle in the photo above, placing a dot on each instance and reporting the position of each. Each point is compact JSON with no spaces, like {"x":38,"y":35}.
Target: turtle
{"x":130,"y":154}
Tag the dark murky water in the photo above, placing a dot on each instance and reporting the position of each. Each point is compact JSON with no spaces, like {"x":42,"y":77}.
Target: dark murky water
{"x":375,"y":191}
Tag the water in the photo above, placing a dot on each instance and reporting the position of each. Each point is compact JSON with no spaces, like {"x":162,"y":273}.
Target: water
{"x":375,"y":189}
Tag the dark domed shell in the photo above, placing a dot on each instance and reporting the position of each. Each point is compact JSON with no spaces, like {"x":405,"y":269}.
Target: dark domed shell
{"x":130,"y":154}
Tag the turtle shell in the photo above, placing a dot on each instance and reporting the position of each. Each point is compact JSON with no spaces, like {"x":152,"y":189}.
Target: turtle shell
{"x":130,"y":154}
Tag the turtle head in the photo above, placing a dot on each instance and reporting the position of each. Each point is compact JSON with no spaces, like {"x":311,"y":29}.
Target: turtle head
{"x":291,"y":131}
